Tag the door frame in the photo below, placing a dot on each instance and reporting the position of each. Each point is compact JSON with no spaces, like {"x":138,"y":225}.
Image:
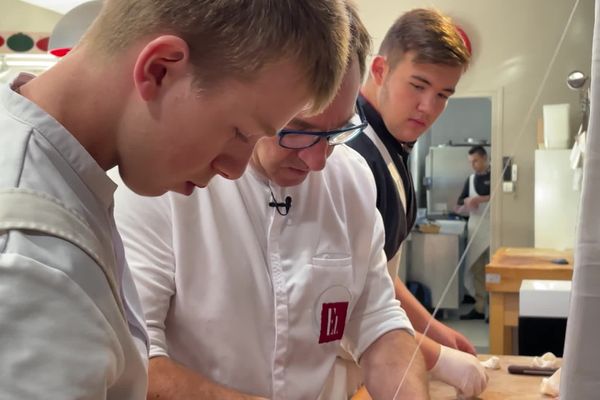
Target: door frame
{"x":496,"y":97}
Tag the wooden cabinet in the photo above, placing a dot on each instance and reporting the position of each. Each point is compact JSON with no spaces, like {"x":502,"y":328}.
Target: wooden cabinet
{"x":503,"y":276}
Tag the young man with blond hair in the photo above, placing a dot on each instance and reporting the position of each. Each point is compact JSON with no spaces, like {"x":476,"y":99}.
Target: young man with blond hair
{"x":173,"y":92}
{"x":421,"y":59}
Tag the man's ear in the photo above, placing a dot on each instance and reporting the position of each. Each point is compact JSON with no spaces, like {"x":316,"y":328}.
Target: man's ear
{"x":379,"y":69}
{"x":162,"y":60}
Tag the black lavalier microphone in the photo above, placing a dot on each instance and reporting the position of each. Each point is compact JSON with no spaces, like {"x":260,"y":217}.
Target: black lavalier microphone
{"x":277,"y":204}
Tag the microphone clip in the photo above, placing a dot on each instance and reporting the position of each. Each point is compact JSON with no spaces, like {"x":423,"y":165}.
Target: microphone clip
{"x":286,"y":205}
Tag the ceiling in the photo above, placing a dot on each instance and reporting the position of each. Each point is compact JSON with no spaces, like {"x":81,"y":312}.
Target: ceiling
{"x":59,"y":6}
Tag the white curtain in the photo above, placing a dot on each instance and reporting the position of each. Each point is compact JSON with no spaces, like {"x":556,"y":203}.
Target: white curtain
{"x":580,"y":377}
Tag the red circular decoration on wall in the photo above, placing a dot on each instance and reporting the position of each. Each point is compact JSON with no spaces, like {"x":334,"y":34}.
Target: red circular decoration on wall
{"x":1,"y":41}
{"x":60,"y":52}
{"x":465,"y":39}
{"x":42,"y":44}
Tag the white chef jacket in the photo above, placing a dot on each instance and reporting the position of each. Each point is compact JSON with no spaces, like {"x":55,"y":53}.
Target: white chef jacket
{"x":62,"y":334}
{"x":244,"y":295}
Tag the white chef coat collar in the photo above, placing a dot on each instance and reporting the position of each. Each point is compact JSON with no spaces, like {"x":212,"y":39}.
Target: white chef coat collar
{"x":66,"y":144}
{"x":269,"y":184}
{"x":257,"y":175}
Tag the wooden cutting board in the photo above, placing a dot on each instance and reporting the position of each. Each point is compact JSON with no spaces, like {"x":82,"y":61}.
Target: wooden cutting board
{"x":501,"y":386}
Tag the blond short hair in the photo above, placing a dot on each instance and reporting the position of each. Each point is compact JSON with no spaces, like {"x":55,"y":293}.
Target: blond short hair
{"x":360,"y":40}
{"x":237,"y":38}
{"x":432,"y":37}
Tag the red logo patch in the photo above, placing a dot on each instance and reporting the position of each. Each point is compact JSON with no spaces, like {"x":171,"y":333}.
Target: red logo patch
{"x":333,"y":321}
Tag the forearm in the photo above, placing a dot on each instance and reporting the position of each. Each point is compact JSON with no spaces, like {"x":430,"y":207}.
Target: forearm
{"x":429,"y":349}
{"x":418,"y":315}
{"x":464,"y":194}
{"x":385,"y":363}
{"x":168,"y":380}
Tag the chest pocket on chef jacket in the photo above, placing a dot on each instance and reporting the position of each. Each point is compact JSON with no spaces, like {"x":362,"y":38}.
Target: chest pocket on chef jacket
{"x":330,"y":287}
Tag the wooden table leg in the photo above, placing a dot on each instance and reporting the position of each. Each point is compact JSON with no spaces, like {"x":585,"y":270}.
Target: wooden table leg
{"x":508,"y":340}
{"x":500,"y":334}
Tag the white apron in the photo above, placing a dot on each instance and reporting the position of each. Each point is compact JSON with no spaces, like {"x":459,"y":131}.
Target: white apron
{"x":481,"y":241}
{"x":394,"y":262}
{"x":33,"y":211}
{"x":345,"y":377}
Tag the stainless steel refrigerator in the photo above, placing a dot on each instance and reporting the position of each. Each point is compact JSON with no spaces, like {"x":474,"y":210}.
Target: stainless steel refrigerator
{"x":446,"y":170}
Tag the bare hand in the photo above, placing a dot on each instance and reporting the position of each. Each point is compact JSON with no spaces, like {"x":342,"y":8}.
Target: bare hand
{"x":472,"y":203}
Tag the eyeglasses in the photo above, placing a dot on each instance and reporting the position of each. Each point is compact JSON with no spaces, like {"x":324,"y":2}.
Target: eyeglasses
{"x":296,"y":139}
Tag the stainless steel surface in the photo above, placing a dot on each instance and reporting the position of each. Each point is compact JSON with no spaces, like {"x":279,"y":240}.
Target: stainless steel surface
{"x":446,"y":169}
{"x":432,"y":260}
{"x":417,"y":167}
{"x":576,"y":80}
{"x":475,"y":141}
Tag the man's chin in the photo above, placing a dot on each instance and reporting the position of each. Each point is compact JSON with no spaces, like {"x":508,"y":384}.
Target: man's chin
{"x":408,"y":136}
{"x":147,"y":190}
{"x":288,"y":181}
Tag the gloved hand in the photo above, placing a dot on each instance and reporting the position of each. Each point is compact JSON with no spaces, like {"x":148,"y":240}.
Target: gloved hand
{"x":461,"y":370}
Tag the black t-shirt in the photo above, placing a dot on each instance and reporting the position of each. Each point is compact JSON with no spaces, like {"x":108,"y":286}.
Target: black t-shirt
{"x":482,"y":186}
{"x":397,"y":221}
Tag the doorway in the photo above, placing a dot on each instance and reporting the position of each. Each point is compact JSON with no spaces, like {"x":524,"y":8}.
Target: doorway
{"x":439,"y":164}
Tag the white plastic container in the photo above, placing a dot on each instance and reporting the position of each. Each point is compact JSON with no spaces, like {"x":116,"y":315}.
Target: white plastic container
{"x":556,"y":126}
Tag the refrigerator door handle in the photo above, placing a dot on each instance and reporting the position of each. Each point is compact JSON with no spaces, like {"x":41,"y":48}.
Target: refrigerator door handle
{"x":428,"y":182}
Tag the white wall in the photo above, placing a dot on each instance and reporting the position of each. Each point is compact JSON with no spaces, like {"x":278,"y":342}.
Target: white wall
{"x":16,"y":15}
{"x":513,"y":42}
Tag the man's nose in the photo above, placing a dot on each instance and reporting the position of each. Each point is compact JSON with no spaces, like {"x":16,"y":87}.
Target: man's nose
{"x":426,"y":103}
{"x":315,"y":156}
{"x":232,"y":166}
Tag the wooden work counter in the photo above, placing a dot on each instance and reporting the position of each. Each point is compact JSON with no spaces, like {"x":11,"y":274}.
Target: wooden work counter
{"x":503,"y":276}
{"x":501,"y":386}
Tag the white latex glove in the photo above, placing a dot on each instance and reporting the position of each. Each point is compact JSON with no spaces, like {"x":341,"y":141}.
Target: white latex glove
{"x":551,"y":386}
{"x":461,"y":370}
{"x":548,"y":360}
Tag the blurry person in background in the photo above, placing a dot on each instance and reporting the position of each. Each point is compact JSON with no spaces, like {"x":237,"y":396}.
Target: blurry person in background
{"x":472,"y":202}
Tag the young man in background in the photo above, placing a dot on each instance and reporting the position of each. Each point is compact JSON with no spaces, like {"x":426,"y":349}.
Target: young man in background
{"x":421,"y":59}
{"x":173,"y":92}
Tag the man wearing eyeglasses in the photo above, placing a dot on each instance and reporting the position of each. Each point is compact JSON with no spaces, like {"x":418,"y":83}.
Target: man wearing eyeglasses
{"x":248,"y":295}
